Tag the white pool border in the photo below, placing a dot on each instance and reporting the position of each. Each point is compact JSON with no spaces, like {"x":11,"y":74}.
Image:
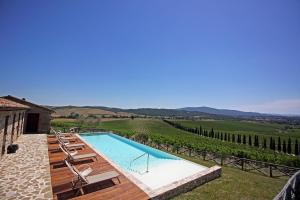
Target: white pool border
{"x":159,"y":192}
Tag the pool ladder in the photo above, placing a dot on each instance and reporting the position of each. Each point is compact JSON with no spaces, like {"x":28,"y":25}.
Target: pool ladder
{"x":139,"y":158}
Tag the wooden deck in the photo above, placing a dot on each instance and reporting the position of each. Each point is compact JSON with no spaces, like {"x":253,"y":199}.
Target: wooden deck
{"x":61,"y":178}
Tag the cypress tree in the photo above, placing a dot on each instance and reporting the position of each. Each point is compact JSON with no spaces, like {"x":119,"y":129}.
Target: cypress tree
{"x":265,"y":143}
{"x":250,"y":140}
{"x":221,"y":136}
{"x":228,"y":137}
{"x":279,"y":144}
{"x":244,"y":139}
{"x":239,"y":139}
{"x":212,"y":132}
{"x":233,"y":138}
{"x":296,"y":148}
{"x":284,"y":146}
{"x":289,"y":147}
{"x":225,"y":136}
{"x":201,"y":130}
{"x":257,"y":141}
{"x":271,"y":143}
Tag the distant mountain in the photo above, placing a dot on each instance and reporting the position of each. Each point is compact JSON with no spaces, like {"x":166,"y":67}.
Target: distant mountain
{"x":101,"y":110}
{"x":188,"y":112}
{"x":226,"y":112}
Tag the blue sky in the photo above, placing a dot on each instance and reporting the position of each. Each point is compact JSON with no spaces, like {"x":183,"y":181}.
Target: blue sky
{"x":225,"y":54}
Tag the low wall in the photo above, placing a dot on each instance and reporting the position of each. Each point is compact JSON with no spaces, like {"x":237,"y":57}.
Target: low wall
{"x":188,"y":184}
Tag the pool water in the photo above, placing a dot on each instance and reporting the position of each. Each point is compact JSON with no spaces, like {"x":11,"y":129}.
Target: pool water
{"x":123,"y":152}
{"x":136,"y":158}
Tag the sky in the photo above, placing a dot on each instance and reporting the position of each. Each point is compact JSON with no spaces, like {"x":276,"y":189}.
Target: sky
{"x":232,"y":54}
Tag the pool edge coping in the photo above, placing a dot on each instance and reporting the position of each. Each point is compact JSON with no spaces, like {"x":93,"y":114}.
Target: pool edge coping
{"x":156,"y":193}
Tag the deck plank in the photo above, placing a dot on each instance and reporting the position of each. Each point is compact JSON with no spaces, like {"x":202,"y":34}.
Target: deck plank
{"x":61,"y":179}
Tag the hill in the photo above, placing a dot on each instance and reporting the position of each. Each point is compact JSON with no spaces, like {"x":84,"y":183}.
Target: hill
{"x":227,"y":112}
{"x":65,"y":111}
{"x":100,"y":110}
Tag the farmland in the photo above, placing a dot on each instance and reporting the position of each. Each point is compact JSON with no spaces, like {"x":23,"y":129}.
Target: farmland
{"x":164,"y":133}
{"x":234,"y":183}
{"x":263,"y":129}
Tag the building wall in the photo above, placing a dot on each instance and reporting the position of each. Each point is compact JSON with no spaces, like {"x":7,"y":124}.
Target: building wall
{"x":44,"y":119}
{"x":14,"y":130}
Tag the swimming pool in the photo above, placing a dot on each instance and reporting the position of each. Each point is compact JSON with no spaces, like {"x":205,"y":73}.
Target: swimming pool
{"x":152,"y":167}
{"x":129,"y":155}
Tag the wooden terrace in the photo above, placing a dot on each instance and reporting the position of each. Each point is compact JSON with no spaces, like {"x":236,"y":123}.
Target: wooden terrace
{"x":61,"y":178}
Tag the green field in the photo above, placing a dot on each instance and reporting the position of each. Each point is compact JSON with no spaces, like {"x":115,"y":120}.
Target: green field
{"x":234,"y":183}
{"x":164,"y":133}
{"x":263,"y":129}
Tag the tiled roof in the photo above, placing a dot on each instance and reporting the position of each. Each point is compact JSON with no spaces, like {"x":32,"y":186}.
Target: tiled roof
{"x":8,"y":104}
{"x":27,"y":103}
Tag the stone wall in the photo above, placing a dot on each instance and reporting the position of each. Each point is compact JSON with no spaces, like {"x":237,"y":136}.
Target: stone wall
{"x":188,"y":184}
{"x":14,"y":128}
{"x":44,"y":119}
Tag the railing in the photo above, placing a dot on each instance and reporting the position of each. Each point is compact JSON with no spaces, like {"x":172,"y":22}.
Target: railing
{"x":139,"y":158}
{"x":264,"y":168}
{"x":291,"y":190}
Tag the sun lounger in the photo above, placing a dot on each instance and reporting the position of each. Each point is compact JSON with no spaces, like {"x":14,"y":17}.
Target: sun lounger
{"x":68,"y":145}
{"x":74,"y":156}
{"x":84,"y":179}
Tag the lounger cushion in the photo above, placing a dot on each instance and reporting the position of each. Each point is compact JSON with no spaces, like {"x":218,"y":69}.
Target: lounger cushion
{"x":101,"y":177}
{"x":75,"y":145}
{"x":82,"y":156}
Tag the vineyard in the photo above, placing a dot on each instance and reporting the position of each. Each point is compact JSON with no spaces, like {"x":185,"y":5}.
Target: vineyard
{"x":161,"y":132}
{"x":255,"y":140}
{"x":234,"y":183}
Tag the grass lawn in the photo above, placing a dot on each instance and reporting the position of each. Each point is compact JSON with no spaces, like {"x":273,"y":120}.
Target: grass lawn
{"x":235,"y":184}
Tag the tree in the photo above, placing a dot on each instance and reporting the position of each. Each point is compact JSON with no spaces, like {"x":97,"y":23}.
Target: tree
{"x":271,"y":143}
{"x":233,"y":138}
{"x":221,"y":135}
{"x":296,"y":148}
{"x":212,"y":132}
{"x":244,"y":139}
{"x":256,"y":141}
{"x":250,"y":140}
{"x":225,"y":137}
{"x":201,"y":130}
{"x":289,"y":146}
{"x":265,"y":143}
{"x":284,"y":146}
{"x":239,"y":138}
{"x":279,"y":144}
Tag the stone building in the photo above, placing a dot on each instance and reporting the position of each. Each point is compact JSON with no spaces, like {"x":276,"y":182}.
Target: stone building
{"x":37,"y":117}
{"x":12,"y":117}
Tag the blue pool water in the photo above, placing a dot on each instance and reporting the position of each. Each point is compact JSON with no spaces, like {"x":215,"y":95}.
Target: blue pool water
{"x":122,"y":151}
